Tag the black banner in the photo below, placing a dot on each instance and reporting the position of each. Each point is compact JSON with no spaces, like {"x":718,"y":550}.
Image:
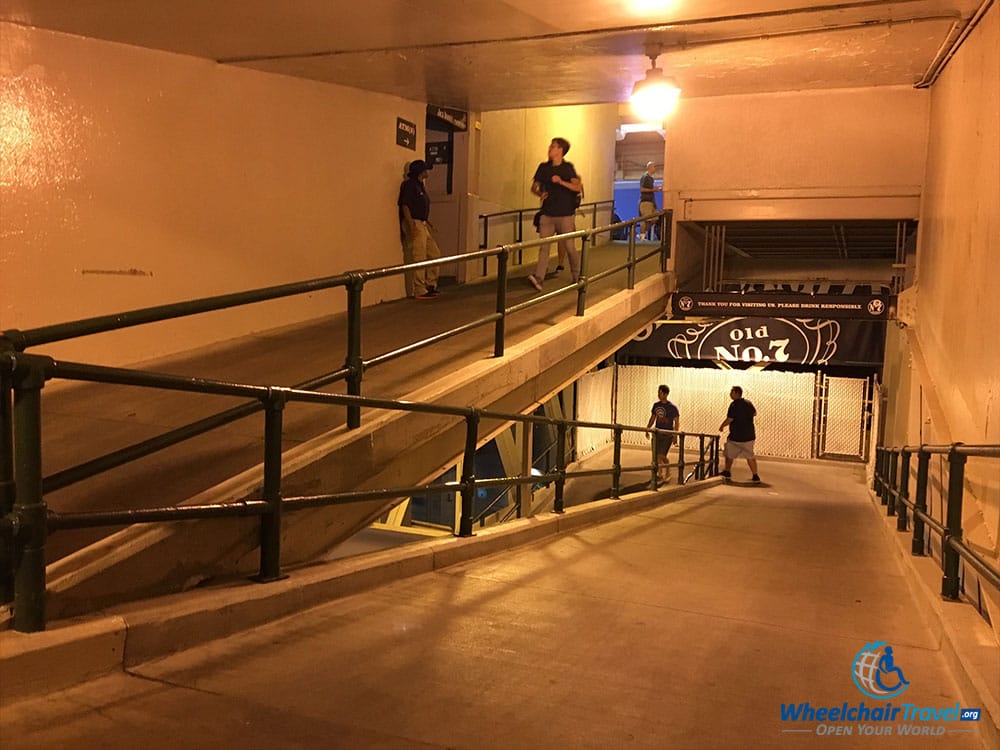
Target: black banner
{"x":840,"y":306}
{"x":806,"y":341}
{"x":406,"y":134}
{"x":455,"y":118}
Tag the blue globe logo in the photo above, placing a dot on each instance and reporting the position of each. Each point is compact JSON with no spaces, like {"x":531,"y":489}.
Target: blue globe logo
{"x":876,"y":674}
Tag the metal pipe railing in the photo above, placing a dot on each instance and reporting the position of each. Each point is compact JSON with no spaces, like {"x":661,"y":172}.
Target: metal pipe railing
{"x":27,"y":524}
{"x":354,"y":365}
{"x":891,"y":485}
{"x":520,"y":213}
{"x":352,"y":371}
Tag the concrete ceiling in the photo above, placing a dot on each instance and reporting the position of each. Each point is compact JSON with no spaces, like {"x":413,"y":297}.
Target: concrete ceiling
{"x":495,"y":54}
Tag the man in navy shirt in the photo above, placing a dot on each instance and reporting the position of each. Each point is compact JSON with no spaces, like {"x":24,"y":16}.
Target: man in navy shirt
{"x":647,"y":196}
{"x":414,"y":217}
{"x":742,"y":435}
{"x":666,"y":416}
{"x":557,"y":184}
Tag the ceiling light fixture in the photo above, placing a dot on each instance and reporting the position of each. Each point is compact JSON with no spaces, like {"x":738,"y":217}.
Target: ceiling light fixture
{"x":654,"y":98}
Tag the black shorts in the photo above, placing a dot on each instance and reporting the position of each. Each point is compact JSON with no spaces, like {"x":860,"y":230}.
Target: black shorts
{"x":663,"y":443}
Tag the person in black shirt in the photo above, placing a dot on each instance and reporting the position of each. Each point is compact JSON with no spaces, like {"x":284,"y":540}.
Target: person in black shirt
{"x":414,"y":217}
{"x":742,"y":435}
{"x":647,"y":197}
{"x":557,"y":184}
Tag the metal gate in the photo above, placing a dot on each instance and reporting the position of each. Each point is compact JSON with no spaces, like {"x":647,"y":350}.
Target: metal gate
{"x":843,"y":408}
{"x":800,"y":415}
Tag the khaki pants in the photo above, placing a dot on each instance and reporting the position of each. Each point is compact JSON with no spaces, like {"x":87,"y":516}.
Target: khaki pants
{"x":418,"y":246}
{"x":552,"y":225}
{"x":647,"y":208}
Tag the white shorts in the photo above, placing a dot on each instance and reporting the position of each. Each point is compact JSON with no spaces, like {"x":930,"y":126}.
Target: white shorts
{"x":739,"y":450}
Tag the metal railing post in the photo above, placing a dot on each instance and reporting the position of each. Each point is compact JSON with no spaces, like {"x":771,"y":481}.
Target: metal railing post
{"x":878,"y":465}
{"x":616,"y":464}
{"x":354,"y":362}
{"x":469,"y":473}
{"x":631,"y":254}
{"x":593,"y":218}
{"x":883,"y":487}
{"x":270,"y":522}
{"x":920,"y":502}
{"x":558,"y":506}
{"x":581,"y":285}
{"x":665,"y":225}
{"x":655,"y":479}
{"x":890,"y":509}
{"x":520,"y":226}
{"x":902,"y":512}
{"x":29,"y":503}
{"x":486,"y":238}
{"x":6,"y":482}
{"x":630,"y":258}
{"x":950,"y":582}
{"x":699,"y":472}
{"x":680,"y":458}
{"x":499,"y":331}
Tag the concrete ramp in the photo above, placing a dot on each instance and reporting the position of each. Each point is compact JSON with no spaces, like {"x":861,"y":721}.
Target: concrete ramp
{"x":390,"y":449}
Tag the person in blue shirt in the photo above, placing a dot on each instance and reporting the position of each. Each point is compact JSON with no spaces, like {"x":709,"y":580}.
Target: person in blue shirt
{"x":647,"y":197}
{"x":414,"y":217}
{"x":665,"y":416}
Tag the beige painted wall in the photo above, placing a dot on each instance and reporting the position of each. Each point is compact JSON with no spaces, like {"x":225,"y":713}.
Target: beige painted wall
{"x":958,"y":288}
{"x":193,"y":178}
{"x":837,"y":139}
{"x":514,"y":142}
{"x":949,"y":385}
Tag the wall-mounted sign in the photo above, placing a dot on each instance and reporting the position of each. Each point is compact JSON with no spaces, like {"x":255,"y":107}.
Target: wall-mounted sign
{"x":807,"y":341}
{"x":406,"y":134}
{"x":456,"y":118}
{"x":438,"y":153}
{"x":862,"y":306}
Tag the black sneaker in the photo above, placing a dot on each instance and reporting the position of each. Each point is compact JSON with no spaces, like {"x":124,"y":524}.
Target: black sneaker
{"x":560,"y":268}
{"x":726,"y":475}
{"x":755,"y":478}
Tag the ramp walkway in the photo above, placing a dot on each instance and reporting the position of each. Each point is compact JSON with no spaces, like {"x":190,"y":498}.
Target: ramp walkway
{"x":91,"y":569}
{"x":82,"y":421}
{"x":685,"y":625}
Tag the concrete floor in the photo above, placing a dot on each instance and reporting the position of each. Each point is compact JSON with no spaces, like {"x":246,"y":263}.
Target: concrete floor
{"x":684,"y":626}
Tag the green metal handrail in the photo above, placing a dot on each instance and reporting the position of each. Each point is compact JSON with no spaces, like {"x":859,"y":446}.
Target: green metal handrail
{"x":891,"y":483}
{"x":354,"y":366}
{"x":25,"y":527}
{"x":520,"y":213}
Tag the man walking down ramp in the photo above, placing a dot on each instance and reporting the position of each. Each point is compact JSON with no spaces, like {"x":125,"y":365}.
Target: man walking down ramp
{"x":742,"y":434}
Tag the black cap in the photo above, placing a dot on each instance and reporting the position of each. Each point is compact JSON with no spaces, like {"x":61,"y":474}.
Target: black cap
{"x":417,"y":166}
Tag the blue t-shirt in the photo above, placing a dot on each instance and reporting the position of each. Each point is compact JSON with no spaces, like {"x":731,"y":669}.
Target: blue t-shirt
{"x":647,"y":182}
{"x":666,"y":415}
